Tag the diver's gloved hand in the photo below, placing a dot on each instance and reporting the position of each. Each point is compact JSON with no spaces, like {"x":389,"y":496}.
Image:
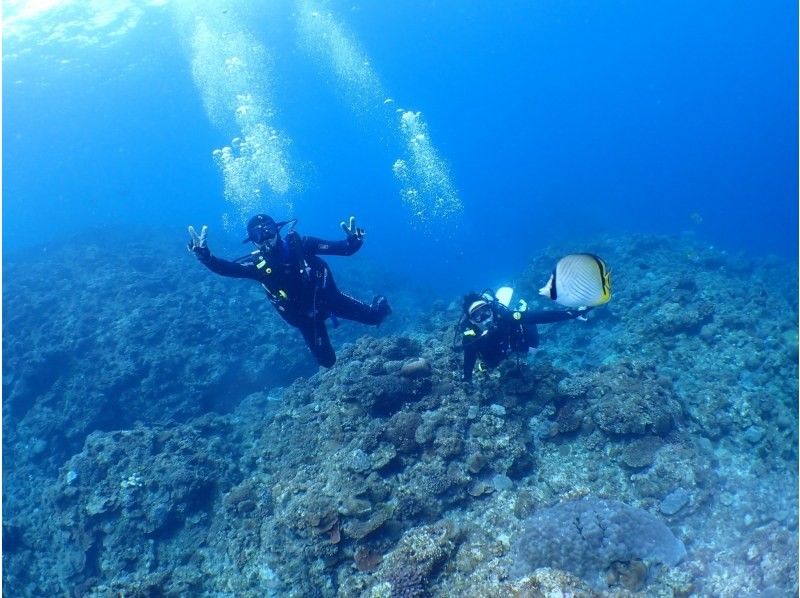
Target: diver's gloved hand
{"x":582,"y":311}
{"x":197,"y":243}
{"x":352,"y":231}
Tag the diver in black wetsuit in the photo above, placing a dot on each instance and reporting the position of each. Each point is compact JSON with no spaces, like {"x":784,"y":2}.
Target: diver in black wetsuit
{"x":491,"y":331}
{"x":298,"y":282}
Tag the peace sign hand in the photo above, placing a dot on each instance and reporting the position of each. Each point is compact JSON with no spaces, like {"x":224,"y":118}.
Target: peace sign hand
{"x":352,"y":230}
{"x":197,"y":243}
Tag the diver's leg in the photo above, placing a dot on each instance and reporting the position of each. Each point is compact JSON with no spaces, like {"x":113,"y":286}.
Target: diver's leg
{"x":315,"y":333}
{"x":344,"y":306}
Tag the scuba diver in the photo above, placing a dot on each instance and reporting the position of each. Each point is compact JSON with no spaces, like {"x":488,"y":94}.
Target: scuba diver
{"x":491,"y":331}
{"x":298,"y":282}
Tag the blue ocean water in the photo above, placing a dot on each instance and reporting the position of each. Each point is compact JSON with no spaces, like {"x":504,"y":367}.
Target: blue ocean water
{"x":166,"y":433}
{"x":552,"y":121}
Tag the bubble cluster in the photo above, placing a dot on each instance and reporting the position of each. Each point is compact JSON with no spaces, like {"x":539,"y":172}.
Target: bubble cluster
{"x":426,"y":187}
{"x":251,"y":162}
{"x":425,"y":179}
{"x":330,"y":44}
{"x":232,"y":71}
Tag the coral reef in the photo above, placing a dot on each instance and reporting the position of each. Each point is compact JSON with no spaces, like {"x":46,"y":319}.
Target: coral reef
{"x":159,"y":444}
{"x":590,"y":535}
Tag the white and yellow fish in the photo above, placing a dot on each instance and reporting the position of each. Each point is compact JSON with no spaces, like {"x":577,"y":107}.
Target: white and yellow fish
{"x":579,"y":280}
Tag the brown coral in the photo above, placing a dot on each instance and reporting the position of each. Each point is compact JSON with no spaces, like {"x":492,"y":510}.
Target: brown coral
{"x":366,"y":559}
{"x":416,"y":368}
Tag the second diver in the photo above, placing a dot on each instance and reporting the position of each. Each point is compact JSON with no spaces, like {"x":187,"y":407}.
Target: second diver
{"x":491,"y":331}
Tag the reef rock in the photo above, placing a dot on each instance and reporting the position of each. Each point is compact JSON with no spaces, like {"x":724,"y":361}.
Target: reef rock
{"x":586,"y":537}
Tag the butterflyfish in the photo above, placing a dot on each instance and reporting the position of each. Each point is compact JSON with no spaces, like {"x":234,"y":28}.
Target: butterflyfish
{"x":579,"y":280}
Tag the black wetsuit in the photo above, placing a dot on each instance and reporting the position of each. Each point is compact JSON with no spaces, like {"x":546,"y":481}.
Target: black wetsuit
{"x":301,"y":287}
{"x":510,"y":332}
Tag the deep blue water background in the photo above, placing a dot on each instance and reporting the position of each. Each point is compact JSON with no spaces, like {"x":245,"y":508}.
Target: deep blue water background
{"x":559,"y":121}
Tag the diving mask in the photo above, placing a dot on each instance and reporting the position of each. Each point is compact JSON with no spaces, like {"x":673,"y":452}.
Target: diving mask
{"x":263,"y":230}
{"x":480,"y":313}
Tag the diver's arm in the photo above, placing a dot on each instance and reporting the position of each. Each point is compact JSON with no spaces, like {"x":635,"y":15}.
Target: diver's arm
{"x":353,"y":242}
{"x":228,"y":268}
{"x":198,"y":244}
{"x":315,"y":246}
{"x":551,"y":316}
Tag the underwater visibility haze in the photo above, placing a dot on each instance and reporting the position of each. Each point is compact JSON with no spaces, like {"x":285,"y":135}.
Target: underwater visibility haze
{"x":166,"y":431}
